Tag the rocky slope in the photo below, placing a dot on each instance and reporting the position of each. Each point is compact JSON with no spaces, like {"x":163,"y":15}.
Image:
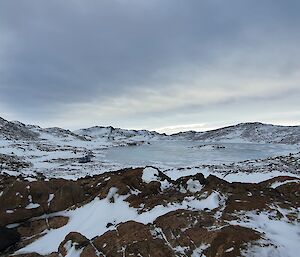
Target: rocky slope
{"x":143,"y":212}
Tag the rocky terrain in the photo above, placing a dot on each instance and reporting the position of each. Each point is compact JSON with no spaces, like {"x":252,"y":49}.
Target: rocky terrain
{"x":59,"y":197}
{"x":153,"y":216}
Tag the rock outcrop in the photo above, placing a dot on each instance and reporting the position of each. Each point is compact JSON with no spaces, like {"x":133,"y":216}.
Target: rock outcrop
{"x":192,"y":215}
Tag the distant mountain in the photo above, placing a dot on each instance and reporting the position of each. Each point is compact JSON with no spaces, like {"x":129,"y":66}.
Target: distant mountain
{"x":254,"y":132}
{"x":117,"y":133}
{"x":55,"y":132}
{"x":16,"y":131}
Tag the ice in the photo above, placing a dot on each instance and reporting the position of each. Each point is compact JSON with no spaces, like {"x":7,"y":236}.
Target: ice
{"x":174,"y":153}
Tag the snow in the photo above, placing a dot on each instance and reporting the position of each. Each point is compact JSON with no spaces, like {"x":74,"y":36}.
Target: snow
{"x":55,"y":153}
{"x":32,"y":206}
{"x":194,"y":186}
{"x":278,"y":183}
{"x":92,"y":218}
{"x":283,"y":234}
{"x":51,"y":196}
{"x":199,"y":250}
{"x":255,"y":177}
{"x":229,"y":250}
{"x":71,"y":249}
{"x":175,"y":174}
{"x":150,"y":174}
{"x":225,"y":154}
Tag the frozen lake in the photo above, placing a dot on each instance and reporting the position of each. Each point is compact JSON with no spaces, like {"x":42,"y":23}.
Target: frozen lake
{"x":191,"y":153}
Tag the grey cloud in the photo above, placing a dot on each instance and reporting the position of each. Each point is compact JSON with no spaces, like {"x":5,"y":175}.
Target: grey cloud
{"x":62,"y":52}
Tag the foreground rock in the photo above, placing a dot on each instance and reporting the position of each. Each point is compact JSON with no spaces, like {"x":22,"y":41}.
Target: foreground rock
{"x":143,"y":212}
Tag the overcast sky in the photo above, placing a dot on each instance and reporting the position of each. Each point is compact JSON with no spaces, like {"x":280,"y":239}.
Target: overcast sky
{"x":167,"y":65}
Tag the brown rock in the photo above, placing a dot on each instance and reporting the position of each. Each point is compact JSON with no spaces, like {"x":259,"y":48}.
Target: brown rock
{"x":76,"y":238}
{"x":131,"y":239}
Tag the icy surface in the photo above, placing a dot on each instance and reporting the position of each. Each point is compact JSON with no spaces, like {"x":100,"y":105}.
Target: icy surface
{"x":175,"y":153}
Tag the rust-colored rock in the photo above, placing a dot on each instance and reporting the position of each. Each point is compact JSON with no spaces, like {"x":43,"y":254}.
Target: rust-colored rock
{"x":131,"y":239}
{"x":76,"y":238}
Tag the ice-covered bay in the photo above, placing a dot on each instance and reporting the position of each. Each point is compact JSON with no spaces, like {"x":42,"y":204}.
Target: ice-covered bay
{"x":182,"y":153}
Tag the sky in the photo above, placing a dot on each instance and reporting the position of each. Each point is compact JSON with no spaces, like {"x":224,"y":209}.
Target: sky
{"x":165,"y":65}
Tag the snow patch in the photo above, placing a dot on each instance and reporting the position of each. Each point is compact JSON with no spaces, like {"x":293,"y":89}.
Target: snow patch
{"x":71,"y":249}
{"x":194,"y":186}
{"x":199,"y":250}
{"x":150,"y":174}
{"x":284,"y":235}
{"x":280,"y":183}
{"x":32,"y":206}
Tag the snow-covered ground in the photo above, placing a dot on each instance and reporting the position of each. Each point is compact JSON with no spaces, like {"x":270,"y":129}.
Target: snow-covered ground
{"x":228,"y":152}
{"x":90,"y":219}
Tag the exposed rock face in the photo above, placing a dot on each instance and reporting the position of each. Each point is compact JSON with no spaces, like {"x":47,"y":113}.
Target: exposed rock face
{"x":131,"y":239}
{"x":202,"y":219}
{"x":8,"y":237}
{"x":22,"y":200}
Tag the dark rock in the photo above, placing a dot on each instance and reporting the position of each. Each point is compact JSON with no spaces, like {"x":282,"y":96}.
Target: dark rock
{"x":8,"y":238}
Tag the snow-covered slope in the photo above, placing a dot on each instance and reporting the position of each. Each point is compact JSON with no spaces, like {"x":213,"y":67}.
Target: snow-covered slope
{"x":247,"y":132}
{"x":15,"y":131}
{"x":112,"y":133}
{"x":244,"y":132}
